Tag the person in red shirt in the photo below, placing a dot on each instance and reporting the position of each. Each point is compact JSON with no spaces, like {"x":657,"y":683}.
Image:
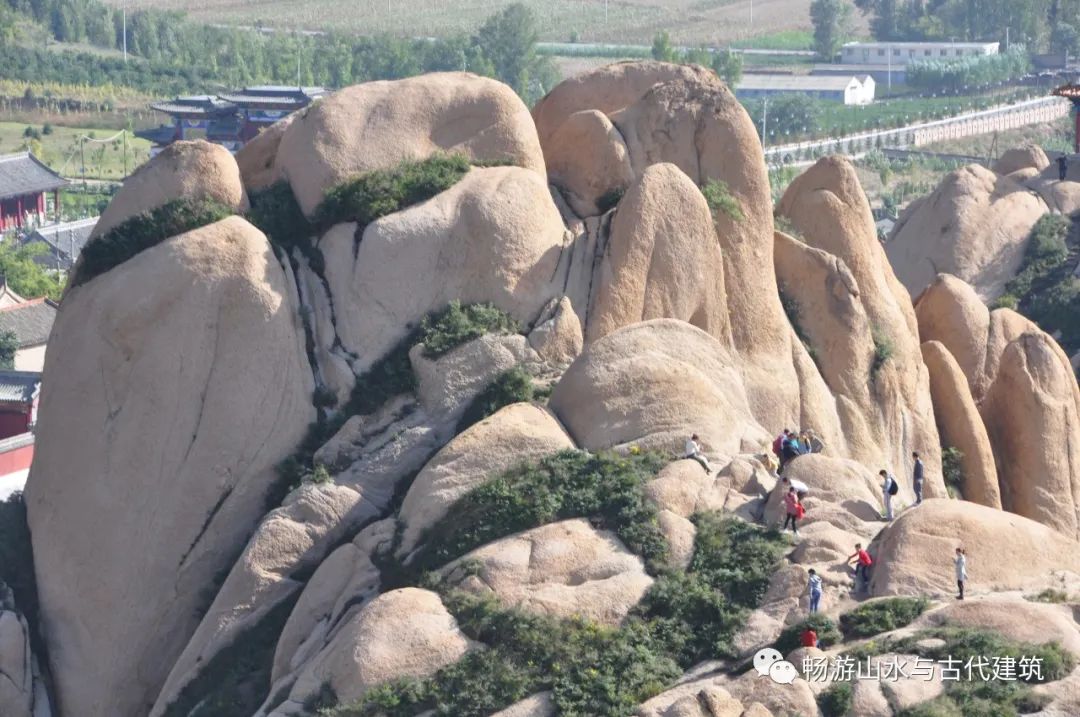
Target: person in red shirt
{"x":862,"y":567}
{"x":809,"y":637}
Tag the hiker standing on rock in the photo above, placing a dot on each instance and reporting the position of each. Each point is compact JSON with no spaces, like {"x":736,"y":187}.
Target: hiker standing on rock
{"x":961,"y":571}
{"x":889,"y":488}
{"x":693,"y":452}
{"x":1063,"y":167}
{"x":792,"y":507}
{"x":815,"y":591}
{"x":862,"y":567}
{"x":917,"y":482}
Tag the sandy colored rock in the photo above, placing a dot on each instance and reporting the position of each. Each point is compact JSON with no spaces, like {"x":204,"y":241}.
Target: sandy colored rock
{"x":539,"y":705}
{"x":1063,"y":197}
{"x":950,"y":312}
{"x":662,"y":260}
{"x":183,"y":170}
{"x":561,"y":569}
{"x":400,"y":634}
{"x":683,"y":488}
{"x":16,"y":675}
{"x":961,"y":426}
{"x":378,"y":125}
{"x":515,"y":434}
{"x":1032,"y":411}
{"x":1030,"y":156}
{"x":975,"y":225}
{"x":256,"y":159}
{"x":698,"y":698}
{"x":914,"y":554}
{"x":558,"y":336}
{"x":1013,"y":617}
{"x":845,"y":483}
{"x":607,"y":89}
{"x":493,"y":237}
{"x":587,"y":160}
{"x":293,"y":537}
{"x":794,"y":699}
{"x":828,"y":206}
{"x":213,"y":338}
{"x":655,"y":383}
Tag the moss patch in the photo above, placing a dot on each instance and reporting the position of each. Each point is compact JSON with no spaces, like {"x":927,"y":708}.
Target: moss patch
{"x":143,"y":231}
{"x":874,"y":618}
{"x":721,"y":201}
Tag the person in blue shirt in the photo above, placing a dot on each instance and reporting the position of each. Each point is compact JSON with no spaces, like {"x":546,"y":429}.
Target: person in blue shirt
{"x":815,"y":591}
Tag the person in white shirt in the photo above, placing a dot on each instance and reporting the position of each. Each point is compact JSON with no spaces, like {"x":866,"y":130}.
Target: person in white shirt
{"x":888,"y":490}
{"x":801,"y":489}
{"x":961,"y":571}
{"x":693,"y":451}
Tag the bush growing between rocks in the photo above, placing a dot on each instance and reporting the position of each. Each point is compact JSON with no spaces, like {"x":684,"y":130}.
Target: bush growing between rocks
{"x":570,"y":484}
{"x":883,"y":349}
{"x":17,"y":556}
{"x":1049,"y":595}
{"x":719,"y":198}
{"x":881,"y":616}
{"x":837,"y":700}
{"x":513,"y":386}
{"x":375,"y":194}
{"x":952,"y":471}
{"x":457,"y":325}
{"x":143,"y":231}
{"x":277,"y":214}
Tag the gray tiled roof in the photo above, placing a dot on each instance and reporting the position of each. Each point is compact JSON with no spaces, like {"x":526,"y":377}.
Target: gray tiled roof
{"x":32,"y":322}
{"x":65,"y":240}
{"x":19,"y":386}
{"x":22,"y":173}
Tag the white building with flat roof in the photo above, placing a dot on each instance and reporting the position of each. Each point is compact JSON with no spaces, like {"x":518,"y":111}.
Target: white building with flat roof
{"x":846,"y":89}
{"x":901,"y":53}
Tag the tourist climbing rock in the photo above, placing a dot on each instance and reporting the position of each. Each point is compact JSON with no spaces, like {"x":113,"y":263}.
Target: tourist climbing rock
{"x":693,"y":451}
{"x":814,"y":584}
{"x":889,"y":488}
{"x":862,"y":568}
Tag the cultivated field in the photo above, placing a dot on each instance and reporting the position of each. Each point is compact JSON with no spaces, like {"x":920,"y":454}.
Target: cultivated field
{"x":60,"y":150}
{"x":714,"y":22}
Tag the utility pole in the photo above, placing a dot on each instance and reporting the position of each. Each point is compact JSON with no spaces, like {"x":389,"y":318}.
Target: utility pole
{"x":1006,"y":39}
{"x":764,"y":120}
{"x":125,"y":32}
{"x":751,"y":14}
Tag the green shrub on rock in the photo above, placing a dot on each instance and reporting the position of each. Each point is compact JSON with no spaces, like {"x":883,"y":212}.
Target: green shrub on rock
{"x":143,"y":231}
{"x":825,"y":628}
{"x":837,"y":700}
{"x":510,"y":387}
{"x":874,"y":618}
{"x":457,"y":325}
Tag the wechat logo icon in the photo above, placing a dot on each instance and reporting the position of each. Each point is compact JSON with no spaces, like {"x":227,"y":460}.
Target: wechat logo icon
{"x":769,"y":662}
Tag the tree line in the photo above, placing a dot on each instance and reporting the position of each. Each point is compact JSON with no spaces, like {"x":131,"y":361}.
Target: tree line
{"x":173,"y":55}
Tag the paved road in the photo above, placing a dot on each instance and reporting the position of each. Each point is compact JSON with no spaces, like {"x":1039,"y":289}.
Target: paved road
{"x":611,"y":50}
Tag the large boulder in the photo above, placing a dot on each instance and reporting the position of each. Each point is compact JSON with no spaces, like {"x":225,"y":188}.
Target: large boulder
{"x":662,"y":261}
{"x":200,"y":387}
{"x":587,"y":160}
{"x":16,"y":675}
{"x":914,"y":554}
{"x":257,"y":158}
{"x":1029,"y":156}
{"x":561,"y":569}
{"x":951,"y":313}
{"x":517,"y":433}
{"x":494,"y":237}
{"x":183,"y":170}
{"x":400,"y":634}
{"x":1013,"y":617}
{"x":887,"y":384}
{"x":655,"y":383}
{"x":378,"y":125}
{"x":961,"y":426}
{"x":975,"y":225}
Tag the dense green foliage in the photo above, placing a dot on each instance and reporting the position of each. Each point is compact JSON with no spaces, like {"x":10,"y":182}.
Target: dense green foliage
{"x":960,"y":76}
{"x":786,"y":115}
{"x":874,"y":618}
{"x":793,"y":312}
{"x":697,"y":613}
{"x":9,"y":345}
{"x":277,"y":214}
{"x":513,"y":386}
{"x":373,"y":195}
{"x":570,"y":484}
{"x":837,"y":700}
{"x":725,"y":63}
{"x":16,"y":556}
{"x":720,"y":199}
{"x":827,"y":634}
{"x":237,"y":679}
{"x":1045,"y":289}
{"x":144,"y":231}
{"x":456,"y":325}
{"x":592,"y":670}
{"x":883,"y":349}
{"x":23,"y":274}
{"x":833,"y":25}
{"x":171,"y":55}
{"x":952,"y":471}
{"x":1031,"y":21}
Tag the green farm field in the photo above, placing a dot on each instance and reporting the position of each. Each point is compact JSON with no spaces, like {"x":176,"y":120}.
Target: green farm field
{"x":690,"y":22}
{"x":60,"y":150}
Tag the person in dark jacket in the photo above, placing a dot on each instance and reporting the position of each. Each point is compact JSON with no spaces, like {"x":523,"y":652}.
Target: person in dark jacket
{"x":1063,"y":167}
{"x":917,"y":481}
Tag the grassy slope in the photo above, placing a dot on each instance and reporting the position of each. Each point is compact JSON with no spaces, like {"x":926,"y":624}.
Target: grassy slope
{"x":628,"y":21}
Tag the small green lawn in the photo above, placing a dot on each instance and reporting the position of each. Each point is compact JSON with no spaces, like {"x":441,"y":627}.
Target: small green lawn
{"x":60,"y":149}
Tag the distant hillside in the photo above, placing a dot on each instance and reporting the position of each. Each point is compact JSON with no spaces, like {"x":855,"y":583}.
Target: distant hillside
{"x":630,"y":21}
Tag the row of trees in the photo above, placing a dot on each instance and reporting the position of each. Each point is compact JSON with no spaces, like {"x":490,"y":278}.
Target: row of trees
{"x":1037,"y":22}
{"x":726,"y":63}
{"x":173,"y":55}
{"x":960,"y":75}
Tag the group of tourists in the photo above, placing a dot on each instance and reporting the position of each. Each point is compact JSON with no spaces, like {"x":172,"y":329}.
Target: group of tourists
{"x":788,"y":446}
